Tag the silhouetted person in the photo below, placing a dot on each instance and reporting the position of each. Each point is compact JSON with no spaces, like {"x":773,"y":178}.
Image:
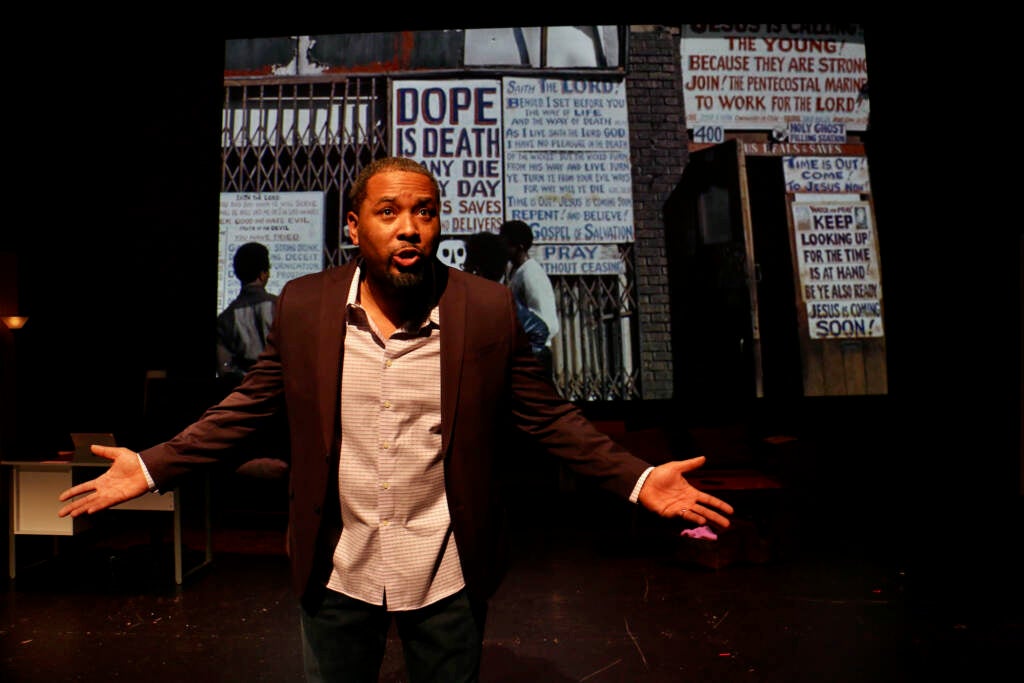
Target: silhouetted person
{"x":242,"y":330}
{"x":243,"y":326}
{"x":529,"y":283}
{"x":487,"y":256}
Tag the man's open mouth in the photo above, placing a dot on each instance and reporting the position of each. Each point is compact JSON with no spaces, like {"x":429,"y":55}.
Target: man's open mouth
{"x":407,"y":258}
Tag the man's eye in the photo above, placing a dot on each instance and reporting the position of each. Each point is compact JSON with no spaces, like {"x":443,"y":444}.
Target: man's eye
{"x":387,"y":211}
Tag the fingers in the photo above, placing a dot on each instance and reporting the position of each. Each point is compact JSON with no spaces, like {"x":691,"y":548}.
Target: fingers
{"x":699,"y":514}
{"x":717,"y":519}
{"x":123,"y":481}
{"x":78,"y":502}
{"x":78,"y":505}
{"x":76,"y":490}
{"x":689,"y":464}
{"x":88,"y":502}
{"x":667,"y":492}
{"x":717,"y":502}
{"x":108,"y":452}
{"x":707,"y":508}
{"x":67,"y":510}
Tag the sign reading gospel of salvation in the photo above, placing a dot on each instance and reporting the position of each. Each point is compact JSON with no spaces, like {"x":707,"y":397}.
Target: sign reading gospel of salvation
{"x":837,"y":256}
{"x":567,"y":160}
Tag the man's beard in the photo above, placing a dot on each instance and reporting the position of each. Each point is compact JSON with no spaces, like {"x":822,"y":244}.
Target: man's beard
{"x":414,"y":289}
{"x":404,"y":282}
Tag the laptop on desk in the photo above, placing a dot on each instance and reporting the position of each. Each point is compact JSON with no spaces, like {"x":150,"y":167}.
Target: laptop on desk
{"x":82,"y":440}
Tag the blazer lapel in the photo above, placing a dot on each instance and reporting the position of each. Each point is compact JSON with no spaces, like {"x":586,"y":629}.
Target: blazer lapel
{"x":331,"y":340}
{"x":453,"y":342}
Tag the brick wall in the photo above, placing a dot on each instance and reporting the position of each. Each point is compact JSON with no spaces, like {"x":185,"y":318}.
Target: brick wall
{"x":658,"y":147}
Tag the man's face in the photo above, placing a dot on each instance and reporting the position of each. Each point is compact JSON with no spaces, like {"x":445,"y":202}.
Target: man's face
{"x":397,"y":227}
{"x":510,"y":248}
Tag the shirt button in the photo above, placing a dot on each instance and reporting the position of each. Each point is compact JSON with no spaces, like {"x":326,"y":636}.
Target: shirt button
{"x":387,"y":404}
{"x":385,"y":485}
{"x":384,"y":522}
{"x":387,"y":363}
{"x":385,"y":445}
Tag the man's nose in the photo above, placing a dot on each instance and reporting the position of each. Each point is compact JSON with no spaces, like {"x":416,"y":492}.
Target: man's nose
{"x":408,"y":227}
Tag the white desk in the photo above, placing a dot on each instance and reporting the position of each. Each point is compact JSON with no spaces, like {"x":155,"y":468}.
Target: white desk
{"x":36,"y":486}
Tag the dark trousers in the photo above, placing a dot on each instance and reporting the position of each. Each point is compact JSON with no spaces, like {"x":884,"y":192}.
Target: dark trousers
{"x":344,"y":640}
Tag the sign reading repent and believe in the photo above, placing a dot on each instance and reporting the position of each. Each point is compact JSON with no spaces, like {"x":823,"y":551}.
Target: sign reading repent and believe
{"x":567,"y":159}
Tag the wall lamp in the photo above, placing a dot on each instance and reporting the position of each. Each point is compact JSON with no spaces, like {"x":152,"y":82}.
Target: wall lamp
{"x":14,"y":322}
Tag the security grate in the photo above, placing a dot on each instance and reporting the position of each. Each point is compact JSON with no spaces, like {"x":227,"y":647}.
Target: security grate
{"x":289,"y":135}
{"x":594,"y":351}
{"x":303,"y":137}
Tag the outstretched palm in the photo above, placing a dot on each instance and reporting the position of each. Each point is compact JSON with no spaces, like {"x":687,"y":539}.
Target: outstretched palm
{"x":123,"y":481}
{"x":667,"y":493}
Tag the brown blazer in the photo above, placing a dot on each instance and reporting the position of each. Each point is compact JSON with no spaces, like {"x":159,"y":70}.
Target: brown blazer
{"x":491,"y":382}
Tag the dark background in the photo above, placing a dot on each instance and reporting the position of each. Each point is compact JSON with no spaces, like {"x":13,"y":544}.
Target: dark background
{"x":118,"y":255}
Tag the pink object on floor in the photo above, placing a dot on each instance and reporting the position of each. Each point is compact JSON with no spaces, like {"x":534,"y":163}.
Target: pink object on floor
{"x":704,"y":532}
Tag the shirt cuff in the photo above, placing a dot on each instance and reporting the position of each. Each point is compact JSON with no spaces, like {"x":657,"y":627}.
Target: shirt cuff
{"x":152,"y":484}
{"x":633,"y":497}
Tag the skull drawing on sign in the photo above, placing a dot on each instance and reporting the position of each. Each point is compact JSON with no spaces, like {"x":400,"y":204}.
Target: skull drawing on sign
{"x":452,"y":253}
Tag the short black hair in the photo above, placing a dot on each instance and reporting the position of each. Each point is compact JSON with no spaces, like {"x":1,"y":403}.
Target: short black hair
{"x":517,"y":233}
{"x":486,"y":255}
{"x":357,"y":193}
{"x":251,"y":259}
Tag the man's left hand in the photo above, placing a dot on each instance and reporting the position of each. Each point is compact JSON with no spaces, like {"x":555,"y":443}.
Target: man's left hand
{"x":667,"y":493}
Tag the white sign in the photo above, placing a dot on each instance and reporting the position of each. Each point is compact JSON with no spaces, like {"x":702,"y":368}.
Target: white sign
{"x":289,"y":224}
{"x":579,"y":259}
{"x":567,"y":170}
{"x":816,"y":132}
{"x":763,"y":76}
{"x":837,"y":257}
{"x":454,"y":129}
{"x":826,"y":174}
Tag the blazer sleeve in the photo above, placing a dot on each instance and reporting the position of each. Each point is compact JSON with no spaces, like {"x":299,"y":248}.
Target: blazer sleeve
{"x":220,"y":433}
{"x":554,"y":423}
{"x":565,"y":433}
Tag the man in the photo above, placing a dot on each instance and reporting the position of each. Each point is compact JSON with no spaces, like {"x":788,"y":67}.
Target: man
{"x":399,"y":378}
{"x":487,"y":257}
{"x":242,"y":330}
{"x":243,"y":326}
{"x":529,"y":282}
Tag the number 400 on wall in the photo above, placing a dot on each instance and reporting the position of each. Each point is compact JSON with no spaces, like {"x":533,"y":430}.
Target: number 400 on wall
{"x":710,"y":134}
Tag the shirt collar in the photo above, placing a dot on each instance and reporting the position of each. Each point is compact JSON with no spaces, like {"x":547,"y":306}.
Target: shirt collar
{"x":353,"y":289}
{"x":353,"y":298}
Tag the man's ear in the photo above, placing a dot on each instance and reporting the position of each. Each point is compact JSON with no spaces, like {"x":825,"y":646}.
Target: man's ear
{"x":353,"y":227}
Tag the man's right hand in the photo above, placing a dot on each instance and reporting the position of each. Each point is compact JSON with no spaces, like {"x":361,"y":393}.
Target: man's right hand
{"x":123,"y":481}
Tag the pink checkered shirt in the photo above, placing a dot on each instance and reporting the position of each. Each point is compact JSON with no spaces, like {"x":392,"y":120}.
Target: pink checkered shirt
{"x":397,"y":538}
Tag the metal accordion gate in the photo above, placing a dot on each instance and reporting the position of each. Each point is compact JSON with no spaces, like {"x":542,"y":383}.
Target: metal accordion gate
{"x":314,"y":134}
